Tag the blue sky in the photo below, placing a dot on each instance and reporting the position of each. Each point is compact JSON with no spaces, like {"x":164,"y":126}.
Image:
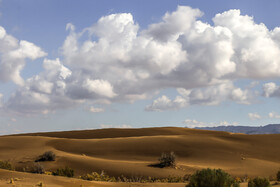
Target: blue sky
{"x":96,"y":64}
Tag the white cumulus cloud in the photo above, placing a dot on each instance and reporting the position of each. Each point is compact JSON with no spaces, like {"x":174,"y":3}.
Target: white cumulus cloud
{"x":13,"y":54}
{"x":96,"y":110}
{"x":271,"y":90}
{"x":123,"y":126}
{"x":1,"y":100}
{"x":115,"y":60}
{"x":212,"y":95}
{"x":100,"y":87}
{"x":191,"y":123}
{"x":254,"y":116}
{"x":274,"y":115}
{"x":164,"y":103}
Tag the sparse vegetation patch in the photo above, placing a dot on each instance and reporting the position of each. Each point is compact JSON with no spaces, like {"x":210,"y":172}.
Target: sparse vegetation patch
{"x":6,"y":165}
{"x":94,"y":176}
{"x":67,"y":172}
{"x":38,"y":168}
{"x":259,"y":182}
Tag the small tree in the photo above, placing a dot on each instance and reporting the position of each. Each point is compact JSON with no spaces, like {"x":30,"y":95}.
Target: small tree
{"x":167,"y":159}
{"x":259,"y":182}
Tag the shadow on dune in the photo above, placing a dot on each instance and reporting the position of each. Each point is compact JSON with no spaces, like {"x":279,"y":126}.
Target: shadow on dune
{"x":158,"y":165}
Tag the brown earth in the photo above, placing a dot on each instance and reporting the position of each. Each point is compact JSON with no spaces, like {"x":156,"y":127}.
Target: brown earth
{"x":129,"y":152}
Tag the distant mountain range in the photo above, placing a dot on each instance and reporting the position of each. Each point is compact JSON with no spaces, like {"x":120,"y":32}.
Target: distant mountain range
{"x":267,"y":129}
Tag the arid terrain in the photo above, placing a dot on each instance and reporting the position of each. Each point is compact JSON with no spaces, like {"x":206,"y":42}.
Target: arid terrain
{"x":131,"y":152}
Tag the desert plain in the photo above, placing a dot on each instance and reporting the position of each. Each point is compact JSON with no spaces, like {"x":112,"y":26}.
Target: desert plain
{"x":133,"y":152}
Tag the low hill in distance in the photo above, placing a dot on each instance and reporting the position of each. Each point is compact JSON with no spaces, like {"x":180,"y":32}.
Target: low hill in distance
{"x":267,"y":129}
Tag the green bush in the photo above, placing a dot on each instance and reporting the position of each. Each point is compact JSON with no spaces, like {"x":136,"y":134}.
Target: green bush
{"x":67,"y":172}
{"x":258,"y":182}
{"x":47,"y":156}
{"x":167,"y":159}
{"x":211,"y":178}
{"x":278,"y":176}
{"x":6,"y":165}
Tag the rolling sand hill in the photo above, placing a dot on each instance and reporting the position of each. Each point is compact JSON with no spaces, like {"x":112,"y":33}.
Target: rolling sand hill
{"x":129,"y":152}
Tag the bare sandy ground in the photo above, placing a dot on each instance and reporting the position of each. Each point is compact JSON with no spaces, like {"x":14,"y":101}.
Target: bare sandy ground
{"x":129,"y":152}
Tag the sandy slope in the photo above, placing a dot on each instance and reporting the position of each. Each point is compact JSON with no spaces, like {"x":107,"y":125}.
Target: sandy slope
{"x":131,"y":151}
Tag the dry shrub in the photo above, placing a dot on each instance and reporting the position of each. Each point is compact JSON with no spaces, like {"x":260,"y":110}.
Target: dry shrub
{"x":6,"y":165}
{"x":278,"y":175}
{"x":47,"y":156}
{"x":67,"y":172}
{"x":259,"y":182}
{"x":167,"y":159}
{"x":38,"y":168}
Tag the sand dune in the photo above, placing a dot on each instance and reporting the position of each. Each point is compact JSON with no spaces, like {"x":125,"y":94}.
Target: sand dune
{"x":131,"y":151}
